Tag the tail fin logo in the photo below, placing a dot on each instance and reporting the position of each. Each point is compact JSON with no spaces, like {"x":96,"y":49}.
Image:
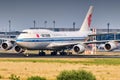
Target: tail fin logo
{"x":89,"y":19}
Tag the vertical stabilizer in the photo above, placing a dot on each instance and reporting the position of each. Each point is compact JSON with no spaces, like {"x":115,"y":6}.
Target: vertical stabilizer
{"x":87,"y":21}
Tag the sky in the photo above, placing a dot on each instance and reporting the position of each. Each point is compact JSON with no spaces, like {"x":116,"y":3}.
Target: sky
{"x":22,"y":13}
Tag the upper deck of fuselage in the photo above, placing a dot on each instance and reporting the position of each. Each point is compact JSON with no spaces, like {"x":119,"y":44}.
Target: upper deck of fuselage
{"x":45,"y":33}
{"x":37,"y":31}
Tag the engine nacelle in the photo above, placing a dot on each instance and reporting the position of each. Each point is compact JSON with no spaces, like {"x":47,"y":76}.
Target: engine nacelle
{"x":7,"y":45}
{"x":19,"y":49}
{"x":79,"y":48}
{"x":110,"y":46}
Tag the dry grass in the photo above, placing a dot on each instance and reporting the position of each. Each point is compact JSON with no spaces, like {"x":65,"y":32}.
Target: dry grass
{"x":51,"y":69}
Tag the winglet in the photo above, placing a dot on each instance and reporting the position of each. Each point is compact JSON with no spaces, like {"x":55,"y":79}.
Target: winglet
{"x":87,"y":21}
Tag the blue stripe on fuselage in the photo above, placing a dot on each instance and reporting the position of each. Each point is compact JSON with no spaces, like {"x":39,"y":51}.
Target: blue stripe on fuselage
{"x":50,"y":39}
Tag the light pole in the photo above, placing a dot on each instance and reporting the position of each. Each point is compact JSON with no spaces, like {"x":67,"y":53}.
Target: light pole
{"x":45,"y":22}
{"x":34,"y":22}
{"x":108,"y":24}
{"x":9,"y":25}
{"x":54,"y":25}
{"x":74,"y":26}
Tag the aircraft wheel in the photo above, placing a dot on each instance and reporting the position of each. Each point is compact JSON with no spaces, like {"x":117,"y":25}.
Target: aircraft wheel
{"x":53,"y":53}
{"x":41,"y":53}
{"x":63,"y":53}
{"x":69,"y":53}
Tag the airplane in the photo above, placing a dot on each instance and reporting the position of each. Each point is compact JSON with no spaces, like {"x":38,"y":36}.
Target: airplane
{"x":43,"y":39}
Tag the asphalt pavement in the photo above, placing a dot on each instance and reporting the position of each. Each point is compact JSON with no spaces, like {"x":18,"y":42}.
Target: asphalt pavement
{"x":16,"y":55}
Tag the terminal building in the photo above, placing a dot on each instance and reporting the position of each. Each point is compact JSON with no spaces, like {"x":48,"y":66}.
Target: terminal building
{"x":7,"y":35}
{"x":105,"y":34}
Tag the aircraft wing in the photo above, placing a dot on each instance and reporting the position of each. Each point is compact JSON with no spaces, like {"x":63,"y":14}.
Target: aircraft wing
{"x":106,"y":33}
{"x":68,"y":44}
{"x":61,"y":44}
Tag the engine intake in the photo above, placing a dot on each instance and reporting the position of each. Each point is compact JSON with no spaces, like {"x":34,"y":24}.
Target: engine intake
{"x":7,"y":45}
{"x":110,"y":46}
{"x":19,"y":49}
{"x":79,"y":48}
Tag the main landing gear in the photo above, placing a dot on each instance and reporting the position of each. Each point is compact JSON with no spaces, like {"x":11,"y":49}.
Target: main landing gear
{"x":54,"y":53}
{"x":63,"y":53}
{"x":42,"y":53}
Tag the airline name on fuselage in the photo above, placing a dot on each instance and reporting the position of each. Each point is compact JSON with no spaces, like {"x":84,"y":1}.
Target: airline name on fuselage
{"x":49,"y":35}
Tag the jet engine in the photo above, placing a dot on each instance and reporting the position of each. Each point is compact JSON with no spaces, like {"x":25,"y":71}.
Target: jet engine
{"x":7,"y":45}
{"x":19,"y":49}
{"x":109,"y":46}
{"x":79,"y":48}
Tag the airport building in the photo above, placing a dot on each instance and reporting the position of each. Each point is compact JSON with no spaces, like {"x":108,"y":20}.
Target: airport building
{"x":7,"y":35}
{"x":105,"y":34}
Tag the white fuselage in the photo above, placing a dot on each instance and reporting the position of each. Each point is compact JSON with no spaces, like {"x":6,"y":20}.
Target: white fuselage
{"x":40,"y":39}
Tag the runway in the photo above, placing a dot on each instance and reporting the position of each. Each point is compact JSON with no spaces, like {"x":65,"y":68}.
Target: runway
{"x":15,"y":55}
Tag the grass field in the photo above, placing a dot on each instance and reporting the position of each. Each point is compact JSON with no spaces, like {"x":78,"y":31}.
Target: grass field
{"x":103,"y":69}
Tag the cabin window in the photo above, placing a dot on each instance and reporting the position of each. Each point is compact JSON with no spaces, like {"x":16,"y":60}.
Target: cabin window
{"x":45,"y":35}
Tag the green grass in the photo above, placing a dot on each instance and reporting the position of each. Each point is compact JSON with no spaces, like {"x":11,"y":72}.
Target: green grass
{"x":89,"y":61}
{"x":110,"y":61}
{"x":36,"y":78}
{"x":76,"y":75}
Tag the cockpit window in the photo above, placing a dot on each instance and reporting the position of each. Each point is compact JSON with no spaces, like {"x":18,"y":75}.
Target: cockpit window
{"x":24,"y":32}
